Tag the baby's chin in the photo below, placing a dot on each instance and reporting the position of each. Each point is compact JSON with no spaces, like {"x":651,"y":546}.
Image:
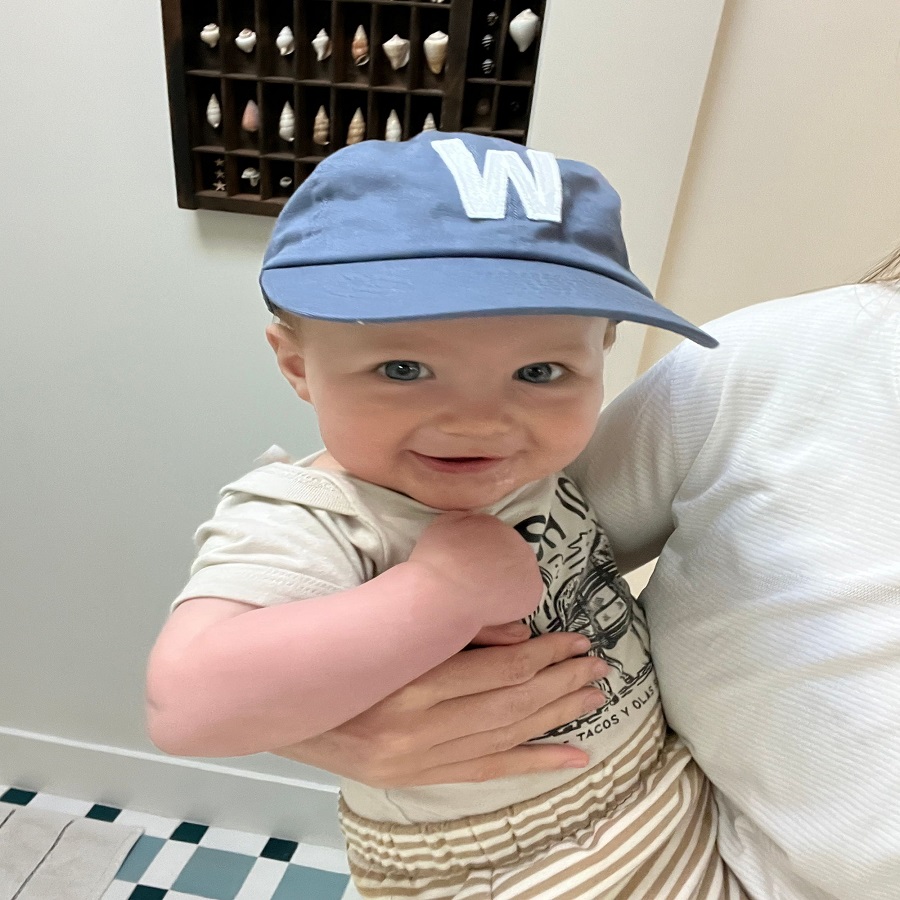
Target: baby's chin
{"x":478,"y":498}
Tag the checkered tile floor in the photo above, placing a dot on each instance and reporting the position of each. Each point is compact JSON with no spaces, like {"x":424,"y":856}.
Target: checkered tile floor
{"x":175,"y":860}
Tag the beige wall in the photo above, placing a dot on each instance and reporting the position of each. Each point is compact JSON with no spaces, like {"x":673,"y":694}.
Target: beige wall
{"x":794,"y":178}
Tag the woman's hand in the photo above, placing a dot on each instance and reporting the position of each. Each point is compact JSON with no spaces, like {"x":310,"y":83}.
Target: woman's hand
{"x":467,"y":719}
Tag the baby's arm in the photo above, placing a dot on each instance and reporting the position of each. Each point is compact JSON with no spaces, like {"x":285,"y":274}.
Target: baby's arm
{"x":227,"y":678}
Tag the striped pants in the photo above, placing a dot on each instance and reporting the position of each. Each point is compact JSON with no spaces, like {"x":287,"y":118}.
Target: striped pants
{"x":639,"y":826}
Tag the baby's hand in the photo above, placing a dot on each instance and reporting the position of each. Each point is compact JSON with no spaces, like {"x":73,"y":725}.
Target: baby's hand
{"x":493,"y":566}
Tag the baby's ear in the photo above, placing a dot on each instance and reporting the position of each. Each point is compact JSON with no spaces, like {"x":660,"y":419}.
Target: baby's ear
{"x":609,"y":338}
{"x":289,"y":353}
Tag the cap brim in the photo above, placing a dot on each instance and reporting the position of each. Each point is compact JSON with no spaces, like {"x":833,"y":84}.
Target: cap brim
{"x":396,"y":290}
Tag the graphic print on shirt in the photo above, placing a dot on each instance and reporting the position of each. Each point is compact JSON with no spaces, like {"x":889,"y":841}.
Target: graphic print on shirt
{"x":583,"y":592}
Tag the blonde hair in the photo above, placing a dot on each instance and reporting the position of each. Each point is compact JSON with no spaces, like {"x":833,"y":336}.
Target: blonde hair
{"x":888,"y":270}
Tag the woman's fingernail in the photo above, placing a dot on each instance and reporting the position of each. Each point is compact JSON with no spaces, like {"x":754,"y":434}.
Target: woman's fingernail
{"x":600,"y":669}
{"x":594,"y":699}
{"x":576,"y":763}
{"x":582,"y":644}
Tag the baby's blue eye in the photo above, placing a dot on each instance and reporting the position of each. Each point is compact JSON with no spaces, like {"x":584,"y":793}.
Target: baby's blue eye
{"x":403,"y":370}
{"x":540,"y":373}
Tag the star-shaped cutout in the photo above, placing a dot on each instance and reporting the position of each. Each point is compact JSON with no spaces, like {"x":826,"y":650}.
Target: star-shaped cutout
{"x":220,"y":162}
{"x":219,"y":185}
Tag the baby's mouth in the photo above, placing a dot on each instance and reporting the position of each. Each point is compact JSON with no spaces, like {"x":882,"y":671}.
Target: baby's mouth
{"x":458,"y":463}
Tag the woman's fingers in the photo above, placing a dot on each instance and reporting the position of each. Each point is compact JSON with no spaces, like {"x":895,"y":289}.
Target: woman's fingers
{"x":488,"y":668}
{"x":514,"y":707}
{"x":434,"y":730}
{"x":520,"y":730}
{"x":518,"y":761}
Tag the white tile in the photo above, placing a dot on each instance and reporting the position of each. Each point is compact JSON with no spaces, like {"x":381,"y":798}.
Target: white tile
{"x":155,"y":826}
{"x":177,"y":895}
{"x":326,"y":858}
{"x":118,"y":890}
{"x":262,"y":881}
{"x":235,"y":841}
{"x":351,"y":893}
{"x":167,"y":864}
{"x":60,"y":804}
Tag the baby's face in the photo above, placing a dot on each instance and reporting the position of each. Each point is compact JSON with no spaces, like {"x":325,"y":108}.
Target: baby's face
{"x":455,"y":413}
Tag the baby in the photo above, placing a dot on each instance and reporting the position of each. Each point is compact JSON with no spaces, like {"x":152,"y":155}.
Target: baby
{"x":446,"y":305}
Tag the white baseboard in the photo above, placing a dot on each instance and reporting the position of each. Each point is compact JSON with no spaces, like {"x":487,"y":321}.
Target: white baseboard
{"x":185,"y":789}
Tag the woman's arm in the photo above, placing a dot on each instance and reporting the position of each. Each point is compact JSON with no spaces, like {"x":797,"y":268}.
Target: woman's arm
{"x":227,"y":678}
{"x":631,"y":470}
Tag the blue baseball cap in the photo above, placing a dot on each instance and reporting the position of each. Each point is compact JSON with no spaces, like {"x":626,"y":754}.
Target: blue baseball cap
{"x":452,"y":225}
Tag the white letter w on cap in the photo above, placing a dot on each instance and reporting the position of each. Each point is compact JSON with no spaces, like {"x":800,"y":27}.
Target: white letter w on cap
{"x":484,"y":195}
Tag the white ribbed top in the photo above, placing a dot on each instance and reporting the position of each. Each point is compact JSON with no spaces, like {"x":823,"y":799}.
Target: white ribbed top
{"x":770,"y":468}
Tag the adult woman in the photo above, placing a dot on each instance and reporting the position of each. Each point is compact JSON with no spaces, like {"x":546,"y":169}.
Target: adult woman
{"x":765,"y":476}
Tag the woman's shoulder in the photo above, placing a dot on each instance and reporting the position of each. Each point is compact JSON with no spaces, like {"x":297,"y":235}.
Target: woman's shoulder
{"x":820,"y":316}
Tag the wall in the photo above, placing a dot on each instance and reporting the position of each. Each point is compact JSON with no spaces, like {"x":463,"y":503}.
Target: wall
{"x":136,"y":382}
{"x":794,"y":177}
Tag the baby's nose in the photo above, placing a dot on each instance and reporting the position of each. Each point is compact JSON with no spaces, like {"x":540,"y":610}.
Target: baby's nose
{"x":475,"y":418}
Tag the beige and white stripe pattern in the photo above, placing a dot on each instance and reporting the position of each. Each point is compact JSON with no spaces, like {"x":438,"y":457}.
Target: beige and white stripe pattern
{"x":641,"y":825}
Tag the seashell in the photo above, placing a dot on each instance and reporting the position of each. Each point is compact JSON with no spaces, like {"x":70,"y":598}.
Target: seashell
{"x":393,"y":131}
{"x":438,"y":1}
{"x":250,"y":118}
{"x":435,"y":47}
{"x":286,"y":122}
{"x":487,"y":41}
{"x":322,"y":45}
{"x":359,"y":48}
{"x":357,"y":130}
{"x":210,"y":34}
{"x":524,"y":28}
{"x":492,"y":19}
{"x":214,"y":111}
{"x":429,"y":124}
{"x":487,"y":66}
{"x":251,"y":175}
{"x":246,"y":40}
{"x":285,"y":41}
{"x":321,"y":127}
{"x":397,"y":51}
{"x":286,"y":181}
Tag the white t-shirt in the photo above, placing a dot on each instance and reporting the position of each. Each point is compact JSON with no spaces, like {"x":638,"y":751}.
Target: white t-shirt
{"x":286,"y":532}
{"x":769,"y":469}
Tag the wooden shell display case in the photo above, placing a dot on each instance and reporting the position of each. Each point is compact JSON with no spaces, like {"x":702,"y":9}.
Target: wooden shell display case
{"x":231,"y":107}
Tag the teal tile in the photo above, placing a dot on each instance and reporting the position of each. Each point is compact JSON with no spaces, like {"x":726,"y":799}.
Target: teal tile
{"x":103,"y":813}
{"x":189,"y":832}
{"x":142,"y":892}
{"x":216,"y":874}
{"x":20,"y":797}
{"x":301,"y":883}
{"x":142,"y":854}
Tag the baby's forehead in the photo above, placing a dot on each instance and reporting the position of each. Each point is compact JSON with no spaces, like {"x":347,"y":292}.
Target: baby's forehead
{"x":501,"y":332}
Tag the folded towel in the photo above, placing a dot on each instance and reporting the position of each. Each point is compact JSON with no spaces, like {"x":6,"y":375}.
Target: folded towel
{"x":47,"y":855}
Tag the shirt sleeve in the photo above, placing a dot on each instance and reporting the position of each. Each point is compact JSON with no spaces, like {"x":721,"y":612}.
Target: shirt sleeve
{"x":265,"y":551}
{"x":649,"y":439}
